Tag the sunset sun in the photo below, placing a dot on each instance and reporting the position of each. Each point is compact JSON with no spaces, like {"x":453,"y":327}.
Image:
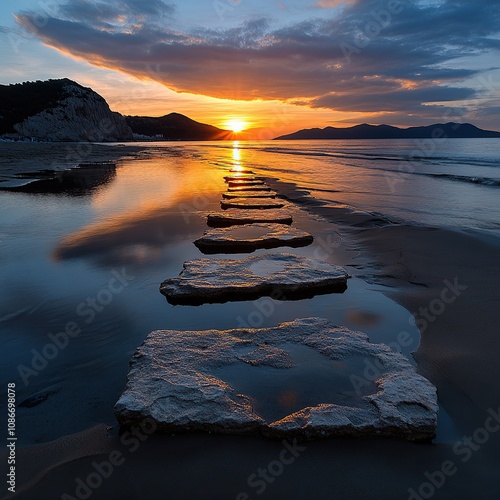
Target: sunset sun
{"x":236,"y":125}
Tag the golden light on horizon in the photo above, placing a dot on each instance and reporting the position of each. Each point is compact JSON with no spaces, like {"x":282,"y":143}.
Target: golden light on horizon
{"x":236,"y":125}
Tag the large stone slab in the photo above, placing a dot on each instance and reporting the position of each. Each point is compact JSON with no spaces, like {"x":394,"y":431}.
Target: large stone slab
{"x":249,"y":194}
{"x":234,"y":216}
{"x":299,"y":379}
{"x":282,"y":276}
{"x":242,"y":177}
{"x":250,"y":237}
{"x":245,"y":183}
{"x":240,"y":171}
{"x":252,"y":203}
{"x":241,"y":189}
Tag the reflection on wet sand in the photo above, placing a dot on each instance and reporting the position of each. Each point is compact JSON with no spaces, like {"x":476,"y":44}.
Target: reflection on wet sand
{"x":79,"y":181}
{"x":138,"y":216}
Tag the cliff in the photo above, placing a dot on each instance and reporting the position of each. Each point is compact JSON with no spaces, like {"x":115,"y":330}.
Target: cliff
{"x":59,"y":110}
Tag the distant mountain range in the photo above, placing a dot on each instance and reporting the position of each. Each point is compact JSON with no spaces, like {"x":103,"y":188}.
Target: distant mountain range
{"x":63,"y":110}
{"x":365,"y":131}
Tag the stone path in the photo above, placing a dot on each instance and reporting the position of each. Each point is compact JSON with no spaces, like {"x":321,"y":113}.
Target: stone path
{"x":223,"y":381}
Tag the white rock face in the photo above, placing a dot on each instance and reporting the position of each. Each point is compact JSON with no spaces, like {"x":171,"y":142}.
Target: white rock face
{"x":82,"y":116}
{"x":249,"y":237}
{"x":282,"y":276}
{"x":175,"y":378}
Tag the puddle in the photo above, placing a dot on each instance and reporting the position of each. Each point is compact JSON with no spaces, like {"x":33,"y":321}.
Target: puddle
{"x":314,"y":379}
{"x":265,"y":268}
{"x":246,"y":233}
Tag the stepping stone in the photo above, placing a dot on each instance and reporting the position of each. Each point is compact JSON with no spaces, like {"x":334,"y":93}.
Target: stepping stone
{"x":250,"y":237}
{"x":282,"y":276}
{"x":295,"y":380}
{"x":242,"y":183}
{"x":249,"y":194}
{"x":252,"y":203}
{"x":231,"y":178}
{"x":235,"y":216}
{"x":240,"y":171}
{"x":242,"y":189}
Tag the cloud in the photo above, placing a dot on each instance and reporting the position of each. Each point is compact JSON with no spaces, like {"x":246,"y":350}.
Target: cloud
{"x":367,"y":58}
{"x":330,"y":4}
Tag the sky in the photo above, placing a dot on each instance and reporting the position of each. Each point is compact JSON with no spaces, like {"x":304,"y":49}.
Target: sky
{"x":278,"y":66}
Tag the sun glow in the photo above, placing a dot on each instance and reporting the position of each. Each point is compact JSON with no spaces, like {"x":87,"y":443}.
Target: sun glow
{"x":236,"y":125}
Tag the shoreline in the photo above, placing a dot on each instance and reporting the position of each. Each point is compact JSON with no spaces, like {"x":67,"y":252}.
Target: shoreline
{"x":222,"y":464}
{"x":419,"y":263}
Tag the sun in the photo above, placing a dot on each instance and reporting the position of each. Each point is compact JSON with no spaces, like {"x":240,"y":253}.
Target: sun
{"x":236,"y":125}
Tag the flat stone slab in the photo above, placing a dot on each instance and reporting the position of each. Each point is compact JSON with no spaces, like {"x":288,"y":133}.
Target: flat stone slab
{"x":242,"y":177}
{"x":250,"y":237}
{"x":244,"y":183}
{"x":249,"y":194}
{"x":234,"y":216}
{"x":296,"y":380}
{"x":252,"y":203}
{"x":282,"y":276}
{"x":243,"y":189}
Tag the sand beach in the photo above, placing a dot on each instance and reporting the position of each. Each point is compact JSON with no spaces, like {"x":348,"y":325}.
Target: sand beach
{"x":429,"y":292}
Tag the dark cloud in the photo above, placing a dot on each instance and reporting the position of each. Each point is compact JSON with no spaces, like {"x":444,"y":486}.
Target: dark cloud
{"x":373,"y":56}
{"x":115,"y":14}
{"x":391,"y":98}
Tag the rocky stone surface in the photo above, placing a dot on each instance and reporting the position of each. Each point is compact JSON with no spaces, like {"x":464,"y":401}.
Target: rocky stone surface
{"x":249,"y":194}
{"x":243,"y":189}
{"x":242,"y":177}
{"x":252,"y":203}
{"x":235,"y":216}
{"x":281,"y":276}
{"x":82,"y":115}
{"x":245,"y":183}
{"x":250,"y":237}
{"x":179,"y":379}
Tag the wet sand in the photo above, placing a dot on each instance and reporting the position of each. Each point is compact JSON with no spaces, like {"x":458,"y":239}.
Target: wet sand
{"x":457,"y":353}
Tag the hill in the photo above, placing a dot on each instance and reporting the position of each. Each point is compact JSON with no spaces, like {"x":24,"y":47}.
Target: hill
{"x":174,"y":127}
{"x":365,"y":131}
{"x":63,"y":110}
{"x":58,"y":110}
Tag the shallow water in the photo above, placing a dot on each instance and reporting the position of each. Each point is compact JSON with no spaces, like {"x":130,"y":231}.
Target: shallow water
{"x":314,"y":379}
{"x":94,"y":262}
{"x":452,"y":183}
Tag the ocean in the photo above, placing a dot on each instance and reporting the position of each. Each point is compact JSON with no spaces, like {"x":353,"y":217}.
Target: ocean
{"x":447,"y":183}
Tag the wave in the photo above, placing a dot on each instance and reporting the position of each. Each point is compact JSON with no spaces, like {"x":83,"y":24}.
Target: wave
{"x":483,"y":181}
{"x":405,"y":156}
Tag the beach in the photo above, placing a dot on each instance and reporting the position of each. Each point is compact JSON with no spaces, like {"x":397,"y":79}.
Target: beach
{"x":435,"y":282}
